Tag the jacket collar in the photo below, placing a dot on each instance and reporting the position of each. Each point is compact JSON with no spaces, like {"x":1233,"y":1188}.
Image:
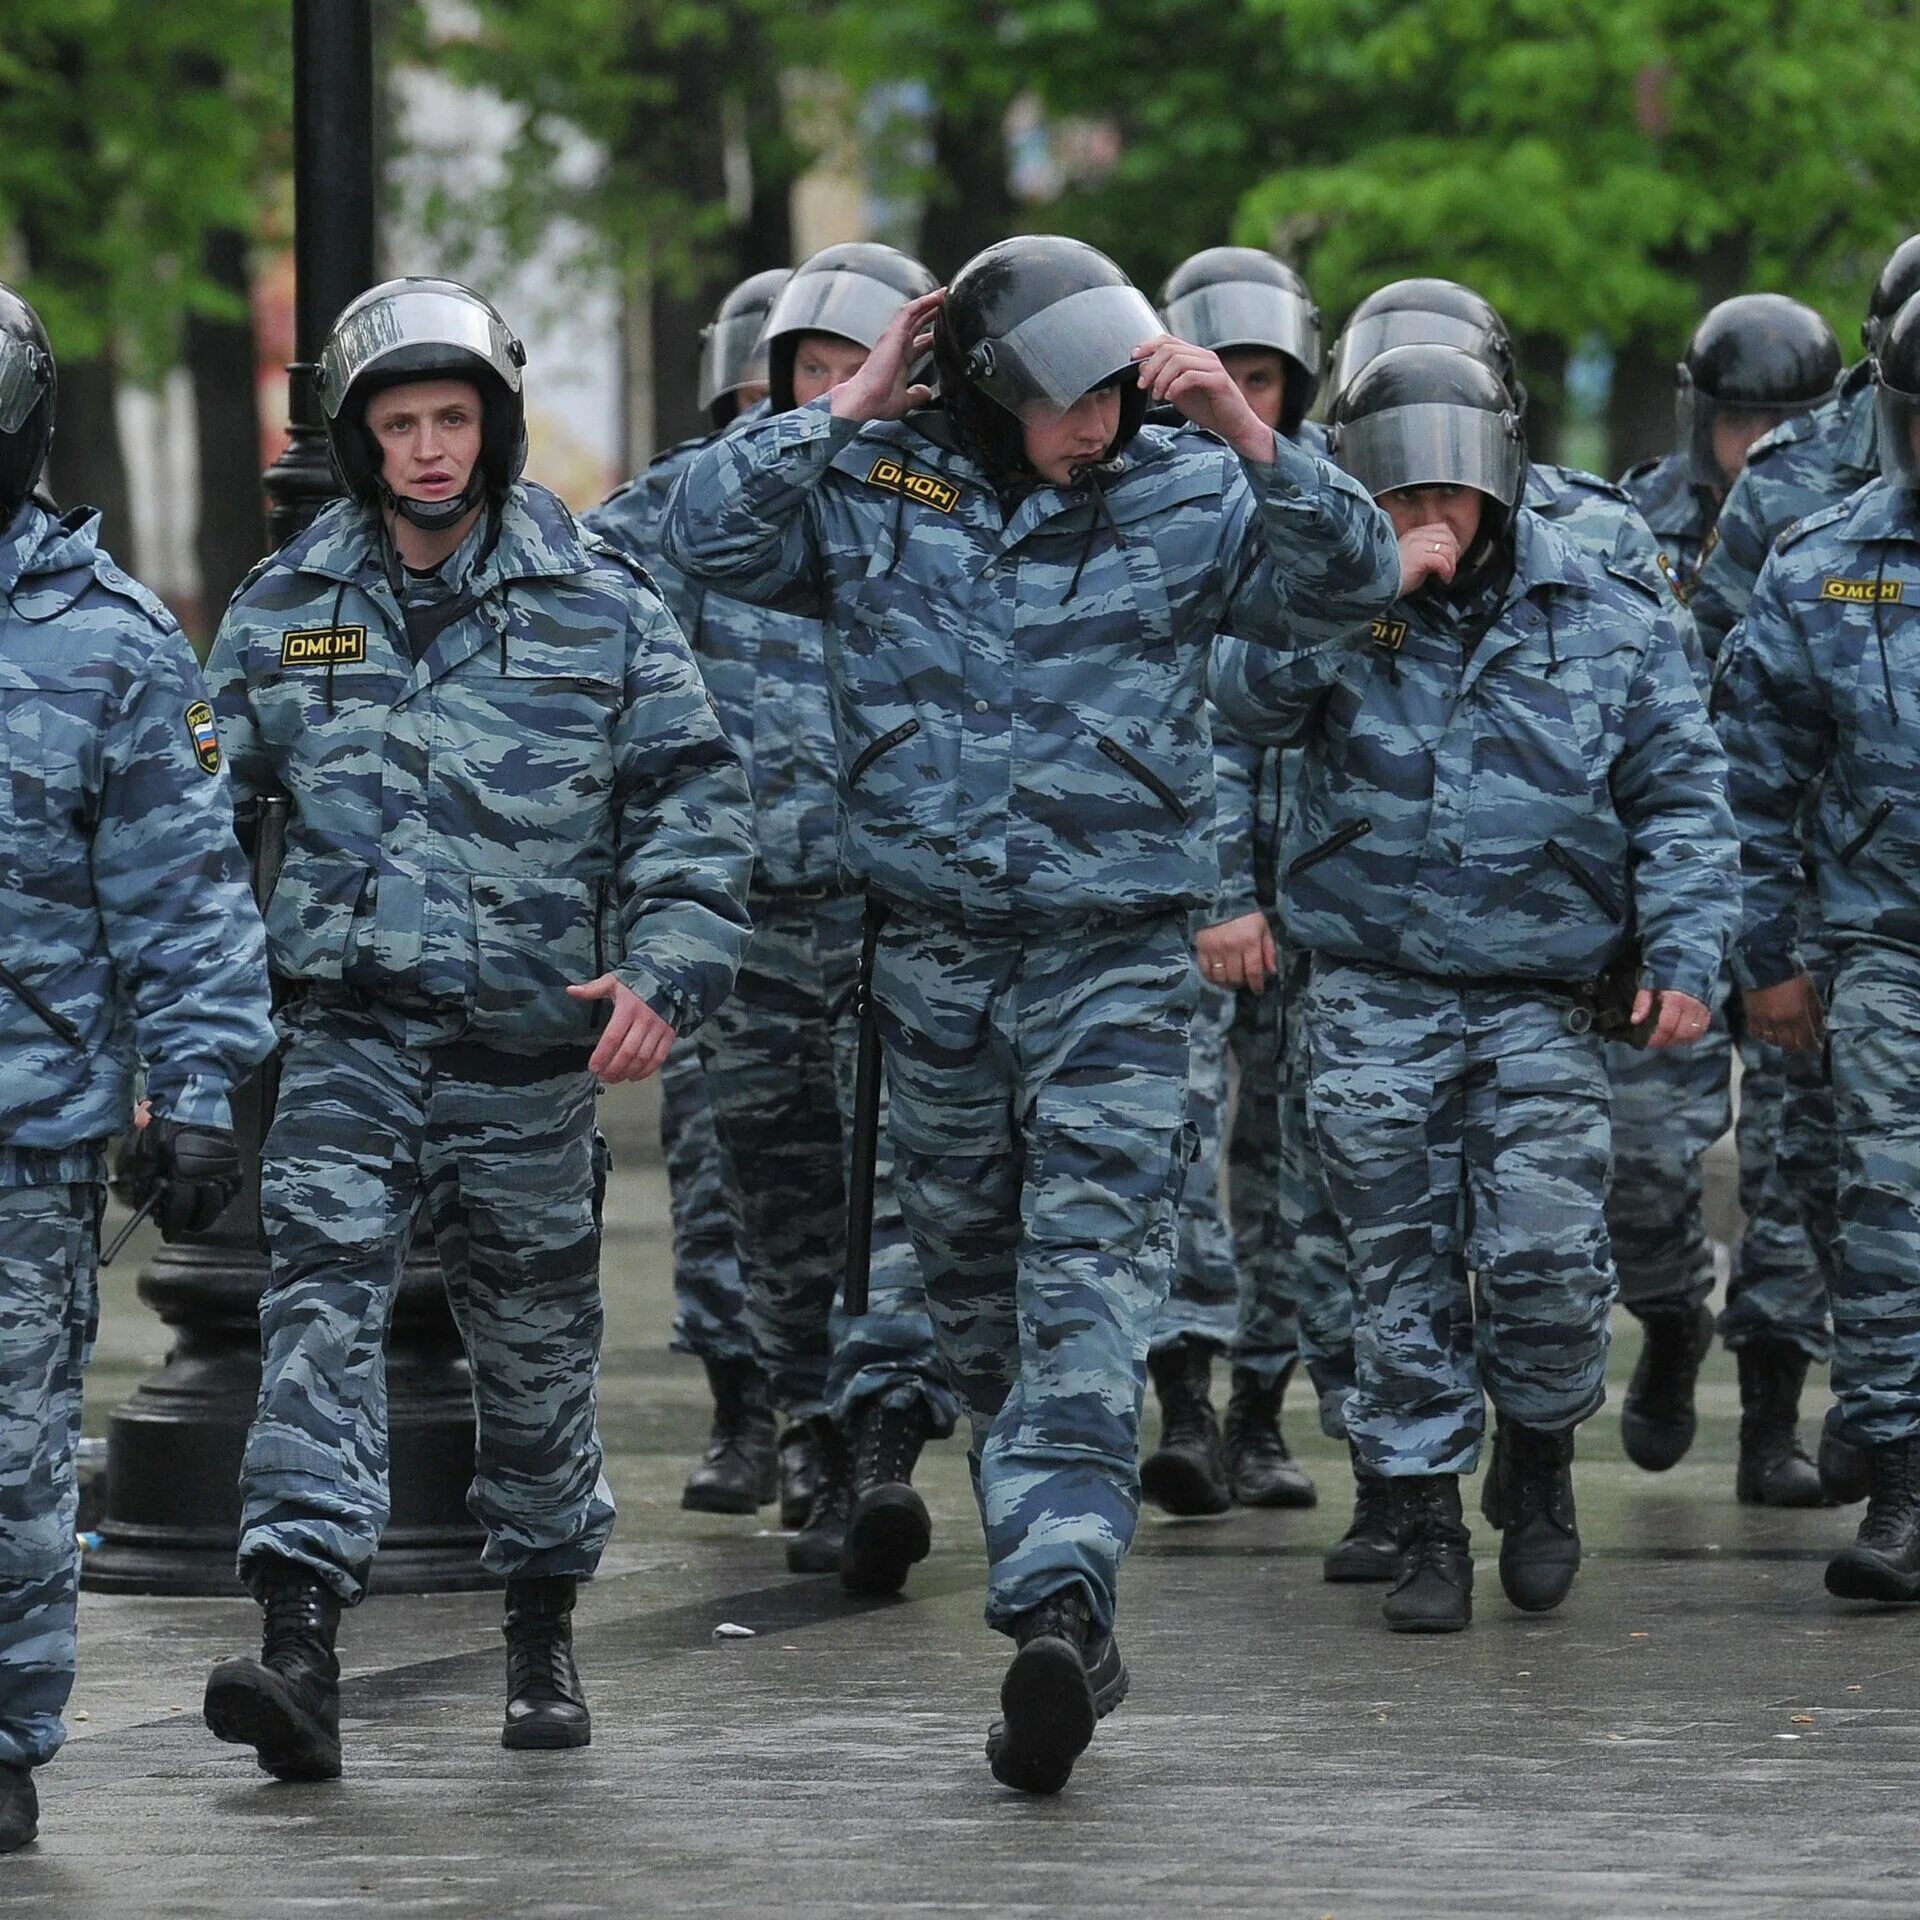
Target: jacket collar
{"x":1882,"y":511}
{"x":35,"y":542}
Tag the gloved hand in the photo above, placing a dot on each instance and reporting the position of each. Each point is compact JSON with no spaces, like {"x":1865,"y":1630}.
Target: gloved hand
{"x":195,"y":1171}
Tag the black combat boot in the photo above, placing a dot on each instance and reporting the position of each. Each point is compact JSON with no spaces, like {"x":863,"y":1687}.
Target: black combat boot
{"x":1370,"y":1547}
{"x":1064,"y":1681}
{"x":1774,"y":1470}
{"x":738,"y":1474}
{"x":888,"y":1529}
{"x":545,"y":1705}
{"x":799,"y":1467}
{"x":1540,"y":1551}
{"x":1434,"y":1593}
{"x":1260,"y":1470}
{"x":1843,"y":1466}
{"x":19,"y":1808}
{"x":1656,"y":1418}
{"x":816,"y":1547}
{"x":1884,"y":1561}
{"x":286,"y":1704}
{"x":1187,"y":1474}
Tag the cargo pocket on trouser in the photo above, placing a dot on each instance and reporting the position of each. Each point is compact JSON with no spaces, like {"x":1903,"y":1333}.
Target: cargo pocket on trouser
{"x":1538,"y":1168}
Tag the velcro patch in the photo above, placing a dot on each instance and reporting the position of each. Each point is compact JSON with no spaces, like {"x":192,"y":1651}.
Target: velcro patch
{"x":204,"y":736}
{"x":1865,"y":591}
{"x":323,"y":647}
{"x":928,"y":488}
{"x":1390,"y":634}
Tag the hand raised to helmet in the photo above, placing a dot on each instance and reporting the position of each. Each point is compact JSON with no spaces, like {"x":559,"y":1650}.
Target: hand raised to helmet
{"x":884,"y":388}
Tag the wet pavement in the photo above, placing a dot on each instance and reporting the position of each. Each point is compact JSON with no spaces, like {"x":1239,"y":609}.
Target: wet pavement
{"x":1698,"y":1731}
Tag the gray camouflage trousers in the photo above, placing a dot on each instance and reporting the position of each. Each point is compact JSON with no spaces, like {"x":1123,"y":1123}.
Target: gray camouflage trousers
{"x":49,"y":1308}
{"x":709,"y":1296}
{"x":1203,"y":1303}
{"x":780,"y":1056}
{"x":1464,"y":1135}
{"x":1039,"y":1088}
{"x":499,"y":1148}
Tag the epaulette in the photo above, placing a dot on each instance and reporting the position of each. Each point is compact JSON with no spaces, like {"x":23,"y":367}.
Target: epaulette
{"x":1824,"y":517}
{"x":1641,"y":468}
{"x":125,"y":587}
{"x":253,"y":573}
{"x":1582,"y":481}
{"x":599,"y":547}
{"x":675,"y":452}
{"x":1787,"y":434}
{"x":1629,"y":577}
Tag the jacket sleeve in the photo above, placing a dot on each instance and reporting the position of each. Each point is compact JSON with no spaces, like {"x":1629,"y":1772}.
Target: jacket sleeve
{"x":1308,"y":554}
{"x":741,"y":517}
{"x":684,"y":830}
{"x":1266,"y":696}
{"x":189,"y":952}
{"x":249,"y":768}
{"x":1237,"y":766}
{"x":1779,"y":736}
{"x":1670,"y":790}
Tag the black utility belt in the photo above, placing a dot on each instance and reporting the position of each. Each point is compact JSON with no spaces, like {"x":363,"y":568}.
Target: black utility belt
{"x":1602,"y":1004}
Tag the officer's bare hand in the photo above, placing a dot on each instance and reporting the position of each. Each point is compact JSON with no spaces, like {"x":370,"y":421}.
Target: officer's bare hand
{"x":1678,"y":1019}
{"x":1788,"y":1015}
{"x":1190,"y":378}
{"x":1237,"y":953}
{"x":635,"y":1041}
{"x":1427,"y":553}
{"x":884,"y":388}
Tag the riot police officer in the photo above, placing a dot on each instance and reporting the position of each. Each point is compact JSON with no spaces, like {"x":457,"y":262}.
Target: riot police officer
{"x":515,"y":870}
{"x":1017,"y":588}
{"x":1816,"y":698}
{"x":1463,"y":864}
{"x":1257,"y":315}
{"x":128,"y":936}
{"x":780,"y":1059}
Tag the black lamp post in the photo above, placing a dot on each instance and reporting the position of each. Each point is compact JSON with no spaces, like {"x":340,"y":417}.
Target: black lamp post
{"x":173,"y":1451}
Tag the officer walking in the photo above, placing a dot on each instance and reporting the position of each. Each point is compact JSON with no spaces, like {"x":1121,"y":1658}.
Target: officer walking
{"x":1018,"y":588}
{"x":738,"y":1473}
{"x":1817,"y":702}
{"x":1258,"y":316}
{"x":1753,"y":362}
{"x":1511,"y":767}
{"x":128,"y":936}
{"x":780,"y":1057}
{"x":515,"y":869}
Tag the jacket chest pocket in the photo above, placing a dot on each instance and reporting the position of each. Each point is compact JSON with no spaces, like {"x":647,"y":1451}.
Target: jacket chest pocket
{"x":1541,"y":734}
{"x":534,"y":742}
{"x":43,"y":799}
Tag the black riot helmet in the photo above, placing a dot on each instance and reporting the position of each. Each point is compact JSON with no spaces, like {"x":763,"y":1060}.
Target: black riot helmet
{"x":1899,"y":281}
{"x":1896,"y":400}
{"x":26,"y":401}
{"x":1037,"y":322}
{"x":1228,"y":297}
{"x":1432,"y":416}
{"x":1422,"y":313}
{"x":851,"y":290}
{"x":732,"y":354}
{"x":422,"y":329}
{"x":1756,"y":354}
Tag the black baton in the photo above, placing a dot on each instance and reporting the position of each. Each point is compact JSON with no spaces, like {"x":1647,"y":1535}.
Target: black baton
{"x":866,"y":1118}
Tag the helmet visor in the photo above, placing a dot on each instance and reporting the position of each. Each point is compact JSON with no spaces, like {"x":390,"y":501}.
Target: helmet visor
{"x":1896,"y":420}
{"x":25,"y":374}
{"x":851,"y":305}
{"x":409,"y":327}
{"x":1367,"y":338}
{"x":1065,"y":350}
{"x":1434,"y":445}
{"x":731,"y":356}
{"x":1247,"y":313}
{"x":1750,"y":420}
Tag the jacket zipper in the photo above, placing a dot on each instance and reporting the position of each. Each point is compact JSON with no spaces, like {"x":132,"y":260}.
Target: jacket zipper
{"x":57,"y":1023}
{"x":1352,"y":831}
{"x":1858,"y":844}
{"x":1582,"y":879}
{"x":1146,"y":776}
{"x":875,"y":748}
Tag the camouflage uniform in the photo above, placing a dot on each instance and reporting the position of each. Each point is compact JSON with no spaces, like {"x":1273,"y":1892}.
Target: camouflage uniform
{"x":126,"y":917}
{"x":542,"y":796}
{"x":709,"y":1296}
{"x":779,"y":1057}
{"x":1816,"y":697}
{"x":1461,"y":1122}
{"x":1018,"y":699}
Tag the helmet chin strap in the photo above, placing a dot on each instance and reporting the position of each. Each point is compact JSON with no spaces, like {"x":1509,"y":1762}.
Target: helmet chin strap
{"x":436,"y":516}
